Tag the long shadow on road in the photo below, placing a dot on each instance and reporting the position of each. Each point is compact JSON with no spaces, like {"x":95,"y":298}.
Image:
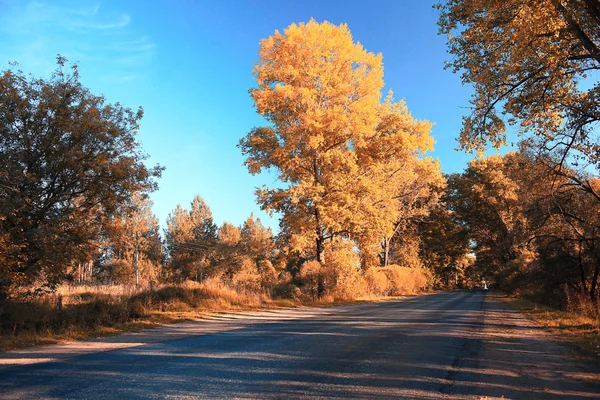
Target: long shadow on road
{"x":447,"y":345}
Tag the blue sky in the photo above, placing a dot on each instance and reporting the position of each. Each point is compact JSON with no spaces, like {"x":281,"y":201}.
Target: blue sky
{"x":189,"y":65}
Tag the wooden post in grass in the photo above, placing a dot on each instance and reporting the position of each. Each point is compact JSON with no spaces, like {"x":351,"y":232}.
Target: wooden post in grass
{"x":136,"y":260}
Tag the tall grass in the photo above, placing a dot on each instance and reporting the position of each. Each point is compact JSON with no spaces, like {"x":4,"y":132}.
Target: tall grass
{"x":80,"y":311}
{"x":88,"y":310}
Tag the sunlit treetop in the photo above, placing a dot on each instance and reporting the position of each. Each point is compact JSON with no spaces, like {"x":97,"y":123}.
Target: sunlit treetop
{"x":331,"y":138}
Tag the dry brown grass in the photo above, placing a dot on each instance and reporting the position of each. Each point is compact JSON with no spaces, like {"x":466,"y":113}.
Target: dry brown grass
{"x":94,"y":311}
{"x":578,"y":326}
{"x":73,"y":293}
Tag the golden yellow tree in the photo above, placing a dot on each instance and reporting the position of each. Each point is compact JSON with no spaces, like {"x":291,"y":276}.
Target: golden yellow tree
{"x":396,"y":182}
{"x":257,"y":241}
{"x":330,"y":135}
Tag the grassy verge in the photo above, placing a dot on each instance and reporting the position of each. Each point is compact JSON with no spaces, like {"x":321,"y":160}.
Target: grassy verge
{"x":90,"y":312}
{"x":579,"y":329}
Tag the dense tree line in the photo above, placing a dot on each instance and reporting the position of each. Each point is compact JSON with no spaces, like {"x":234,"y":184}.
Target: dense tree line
{"x":533,"y":65}
{"x":364,"y":209}
{"x":531,"y":231}
{"x":356,"y":181}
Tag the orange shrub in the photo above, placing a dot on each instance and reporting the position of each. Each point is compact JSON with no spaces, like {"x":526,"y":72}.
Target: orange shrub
{"x":377,"y":282}
{"x":403,"y":280}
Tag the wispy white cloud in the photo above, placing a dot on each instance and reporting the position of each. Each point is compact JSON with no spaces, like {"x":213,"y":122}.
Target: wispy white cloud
{"x":34,"y":32}
{"x":120,"y":21}
{"x":85,"y":11}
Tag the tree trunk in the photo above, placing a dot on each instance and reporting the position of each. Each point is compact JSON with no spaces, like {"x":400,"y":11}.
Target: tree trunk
{"x":320,"y":248}
{"x":582,"y":270}
{"x":386,"y":252}
{"x":136,"y":260}
{"x":594,"y":284}
{"x":320,"y":241}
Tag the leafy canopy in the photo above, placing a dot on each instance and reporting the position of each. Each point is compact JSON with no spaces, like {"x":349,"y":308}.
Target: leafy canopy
{"x":68,"y":161}
{"x":532,"y":63}
{"x":331,"y":140}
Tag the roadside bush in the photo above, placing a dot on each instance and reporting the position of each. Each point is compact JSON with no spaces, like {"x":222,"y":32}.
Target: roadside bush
{"x":248,"y":277}
{"x":377,"y":282}
{"x":403,"y":280}
{"x":44,"y":315}
{"x":312,"y":276}
{"x":286,"y":290}
{"x":342,"y":270}
{"x":88,"y":309}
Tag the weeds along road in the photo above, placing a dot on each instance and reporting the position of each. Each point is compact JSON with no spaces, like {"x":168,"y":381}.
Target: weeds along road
{"x":445,"y":345}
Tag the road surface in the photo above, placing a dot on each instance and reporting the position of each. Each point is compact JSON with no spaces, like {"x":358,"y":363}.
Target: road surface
{"x":437,"y":346}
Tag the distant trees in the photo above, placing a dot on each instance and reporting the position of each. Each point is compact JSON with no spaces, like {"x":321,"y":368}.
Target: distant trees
{"x":68,"y":162}
{"x":189,"y":239}
{"x":197,"y":249}
{"x":445,"y":246}
{"x":132,"y":251}
{"x":488,"y":198}
{"x":529,"y":232}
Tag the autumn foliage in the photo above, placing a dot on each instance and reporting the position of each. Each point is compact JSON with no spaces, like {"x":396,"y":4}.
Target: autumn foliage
{"x":69,"y":164}
{"x":351,"y":163}
{"x":365,"y":210}
{"x":532,"y":215}
{"x":356,"y":186}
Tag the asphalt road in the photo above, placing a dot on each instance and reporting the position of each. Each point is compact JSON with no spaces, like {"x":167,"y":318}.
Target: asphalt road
{"x":445,"y":345}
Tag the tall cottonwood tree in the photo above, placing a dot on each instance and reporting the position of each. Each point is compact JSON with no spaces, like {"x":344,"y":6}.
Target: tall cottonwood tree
{"x":68,"y":160}
{"x":396,"y":182}
{"x":417,"y":189}
{"x":329,"y":132}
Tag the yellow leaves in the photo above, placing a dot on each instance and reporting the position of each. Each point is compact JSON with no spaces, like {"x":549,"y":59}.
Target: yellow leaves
{"x":314,"y":66}
{"x":343,"y":155}
{"x":229,"y":234}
